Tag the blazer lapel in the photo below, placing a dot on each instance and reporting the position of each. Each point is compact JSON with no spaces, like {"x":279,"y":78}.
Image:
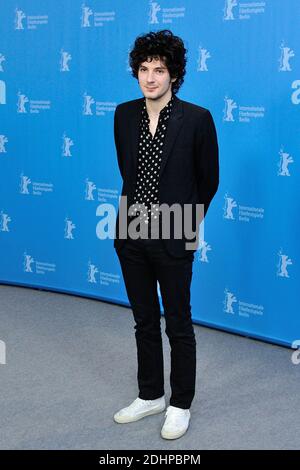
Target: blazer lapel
{"x":174,"y":125}
{"x":134,"y":132}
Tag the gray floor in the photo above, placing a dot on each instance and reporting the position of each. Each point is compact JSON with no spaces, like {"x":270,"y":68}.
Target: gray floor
{"x":71,"y":363}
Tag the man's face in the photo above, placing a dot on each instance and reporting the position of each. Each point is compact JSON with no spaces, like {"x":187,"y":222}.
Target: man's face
{"x":154,"y":79}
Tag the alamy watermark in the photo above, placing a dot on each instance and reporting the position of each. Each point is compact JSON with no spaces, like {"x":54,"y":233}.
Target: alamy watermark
{"x":295,"y":358}
{"x":2,"y":352}
{"x":154,"y":222}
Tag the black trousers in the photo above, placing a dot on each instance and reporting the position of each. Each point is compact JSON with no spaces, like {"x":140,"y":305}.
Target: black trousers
{"x":143,"y":263}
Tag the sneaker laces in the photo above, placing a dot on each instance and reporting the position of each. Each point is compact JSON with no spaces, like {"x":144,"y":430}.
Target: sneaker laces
{"x":149,"y":401}
{"x":141,"y":402}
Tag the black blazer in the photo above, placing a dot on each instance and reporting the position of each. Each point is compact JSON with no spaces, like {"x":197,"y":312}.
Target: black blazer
{"x":189,"y":172}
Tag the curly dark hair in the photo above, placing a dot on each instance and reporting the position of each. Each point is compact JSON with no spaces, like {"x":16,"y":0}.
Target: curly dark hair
{"x":161,"y":45}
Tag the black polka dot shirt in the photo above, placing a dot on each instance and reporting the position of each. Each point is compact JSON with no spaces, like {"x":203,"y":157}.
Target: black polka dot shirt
{"x":149,"y":162}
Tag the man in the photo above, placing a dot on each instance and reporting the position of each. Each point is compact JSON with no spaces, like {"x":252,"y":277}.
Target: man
{"x":167,"y":154}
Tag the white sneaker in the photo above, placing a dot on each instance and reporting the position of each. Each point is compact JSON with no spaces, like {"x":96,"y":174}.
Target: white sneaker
{"x":140,"y":408}
{"x":176,"y":423}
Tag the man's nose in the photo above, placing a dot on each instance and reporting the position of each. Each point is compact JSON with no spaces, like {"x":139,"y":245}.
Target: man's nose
{"x":150,"y":77}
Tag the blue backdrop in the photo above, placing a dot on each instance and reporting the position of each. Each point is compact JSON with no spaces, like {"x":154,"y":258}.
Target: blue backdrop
{"x":64,"y":68}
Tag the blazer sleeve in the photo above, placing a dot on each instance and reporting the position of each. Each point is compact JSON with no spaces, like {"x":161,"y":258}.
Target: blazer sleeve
{"x":207,"y":160}
{"x":117,"y":141}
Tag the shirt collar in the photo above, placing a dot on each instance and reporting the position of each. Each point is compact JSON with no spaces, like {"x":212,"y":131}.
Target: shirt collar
{"x":167,"y":108}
